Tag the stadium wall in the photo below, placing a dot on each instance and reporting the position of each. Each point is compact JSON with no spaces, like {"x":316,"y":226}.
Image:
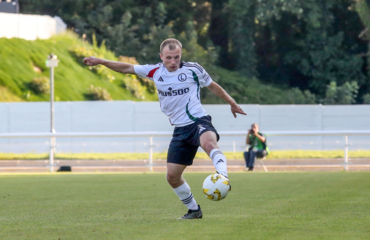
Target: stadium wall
{"x":30,"y":27}
{"x":128,"y":116}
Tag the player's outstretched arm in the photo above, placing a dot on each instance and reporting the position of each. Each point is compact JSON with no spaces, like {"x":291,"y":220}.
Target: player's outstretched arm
{"x":220,"y":92}
{"x":115,"y":66}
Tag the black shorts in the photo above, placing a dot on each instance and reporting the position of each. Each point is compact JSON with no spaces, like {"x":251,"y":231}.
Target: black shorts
{"x":186,"y":140}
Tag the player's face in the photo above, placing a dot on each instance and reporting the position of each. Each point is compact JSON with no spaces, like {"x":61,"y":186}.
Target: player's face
{"x":171,"y":58}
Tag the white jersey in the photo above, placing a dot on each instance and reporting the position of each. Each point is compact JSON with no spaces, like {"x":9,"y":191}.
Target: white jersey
{"x":178,"y":91}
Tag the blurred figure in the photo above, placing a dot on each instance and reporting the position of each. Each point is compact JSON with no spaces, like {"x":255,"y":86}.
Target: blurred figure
{"x":258,"y":147}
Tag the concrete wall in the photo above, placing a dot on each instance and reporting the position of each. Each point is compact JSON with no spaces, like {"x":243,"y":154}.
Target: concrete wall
{"x":30,"y":27}
{"x":127,"y":116}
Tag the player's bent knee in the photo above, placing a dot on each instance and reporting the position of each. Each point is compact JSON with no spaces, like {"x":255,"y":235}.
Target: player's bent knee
{"x":172,"y":178}
{"x":209,"y":146}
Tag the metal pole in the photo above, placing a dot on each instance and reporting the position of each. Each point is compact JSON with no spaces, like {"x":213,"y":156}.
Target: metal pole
{"x":151,"y":154}
{"x":52,"y":99}
{"x":346,"y":153}
{"x":52,"y":140}
{"x":52,"y":62}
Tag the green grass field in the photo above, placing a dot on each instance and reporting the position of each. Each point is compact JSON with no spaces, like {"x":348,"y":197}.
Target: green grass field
{"x":143,"y":206}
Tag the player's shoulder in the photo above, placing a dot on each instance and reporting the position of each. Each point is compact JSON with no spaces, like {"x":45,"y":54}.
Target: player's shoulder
{"x":193,"y":66}
{"x":151,"y":69}
{"x":156,"y":65}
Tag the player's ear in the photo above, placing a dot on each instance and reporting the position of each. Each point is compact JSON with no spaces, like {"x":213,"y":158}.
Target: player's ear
{"x":160,"y":55}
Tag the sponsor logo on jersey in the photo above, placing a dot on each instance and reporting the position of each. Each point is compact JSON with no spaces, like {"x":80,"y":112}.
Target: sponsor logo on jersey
{"x":182,"y":77}
{"x":160,"y":79}
{"x":172,"y":92}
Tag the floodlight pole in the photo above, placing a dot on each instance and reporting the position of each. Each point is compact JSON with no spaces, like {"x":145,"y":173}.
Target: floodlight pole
{"x":52,"y":62}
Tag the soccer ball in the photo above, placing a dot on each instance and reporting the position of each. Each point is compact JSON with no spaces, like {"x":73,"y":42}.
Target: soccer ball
{"x":216,"y":187}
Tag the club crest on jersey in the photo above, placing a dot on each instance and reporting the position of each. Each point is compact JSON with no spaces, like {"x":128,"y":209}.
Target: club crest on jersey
{"x":182,"y":77}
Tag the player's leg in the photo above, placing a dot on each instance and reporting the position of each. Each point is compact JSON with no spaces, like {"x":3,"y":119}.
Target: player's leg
{"x":180,"y":186}
{"x":174,"y":174}
{"x":180,"y":155}
{"x":208,"y":141}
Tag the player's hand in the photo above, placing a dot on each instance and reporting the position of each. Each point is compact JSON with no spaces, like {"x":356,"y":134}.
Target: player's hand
{"x":237,"y":109}
{"x":92,"y":61}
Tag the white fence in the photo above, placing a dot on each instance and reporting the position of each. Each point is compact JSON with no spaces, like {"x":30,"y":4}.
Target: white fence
{"x":151,"y":135}
{"x":30,"y":27}
{"x":126,"y":116}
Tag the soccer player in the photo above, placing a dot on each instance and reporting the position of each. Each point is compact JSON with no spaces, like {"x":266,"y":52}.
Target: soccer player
{"x":178,"y":84}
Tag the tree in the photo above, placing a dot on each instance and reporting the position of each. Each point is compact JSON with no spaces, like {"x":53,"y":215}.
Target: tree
{"x":363,"y":10}
{"x":345,"y":94}
{"x":306,"y":44}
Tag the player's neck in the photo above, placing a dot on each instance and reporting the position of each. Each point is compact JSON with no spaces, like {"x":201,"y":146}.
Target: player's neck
{"x":174,"y":70}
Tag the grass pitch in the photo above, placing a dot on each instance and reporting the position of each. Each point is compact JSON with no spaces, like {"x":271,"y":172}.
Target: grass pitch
{"x":143,"y":206}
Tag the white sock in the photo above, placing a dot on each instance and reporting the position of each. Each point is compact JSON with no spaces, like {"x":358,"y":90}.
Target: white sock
{"x":219,"y":161}
{"x":186,"y":197}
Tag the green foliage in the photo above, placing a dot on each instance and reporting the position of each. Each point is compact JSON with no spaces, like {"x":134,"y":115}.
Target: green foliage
{"x":304,"y":44}
{"x":130,"y":82}
{"x":324,"y":61}
{"x":299,"y":43}
{"x":7,"y":96}
{"x":72,"y":78}
{"x":345,"y":94}
{"x":98,"y":93}
{"x":134,"y":86}
{"x":251,"y":91}
{"x":366,"y":98}
{"x":363,"y":10}
{"x":135,"y":29}
{"x":193,"y":52}
{"x":242,"y":33}
{"x":40,"y":85}
{"x":93,"y":50}
{"x":296,"y":96}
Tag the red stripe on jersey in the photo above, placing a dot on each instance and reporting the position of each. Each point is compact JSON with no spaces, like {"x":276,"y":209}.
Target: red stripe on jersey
{"x":151,"y":73}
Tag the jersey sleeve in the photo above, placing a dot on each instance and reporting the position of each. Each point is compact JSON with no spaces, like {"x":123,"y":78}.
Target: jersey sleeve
{"x":146,"y":71}
{"x":204,"y":79}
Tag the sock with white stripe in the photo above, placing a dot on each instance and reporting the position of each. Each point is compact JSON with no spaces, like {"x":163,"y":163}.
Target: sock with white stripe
{"x":219,"y":161}
{"x":186,"y":197}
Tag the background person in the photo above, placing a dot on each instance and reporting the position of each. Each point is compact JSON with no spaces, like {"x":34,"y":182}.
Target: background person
{"x":258,"y":146}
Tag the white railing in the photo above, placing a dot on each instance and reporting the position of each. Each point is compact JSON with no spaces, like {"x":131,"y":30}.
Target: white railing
{"x":151,"y":135}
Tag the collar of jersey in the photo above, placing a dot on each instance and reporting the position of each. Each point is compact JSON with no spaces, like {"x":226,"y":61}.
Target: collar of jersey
{"x":175,"y":72}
